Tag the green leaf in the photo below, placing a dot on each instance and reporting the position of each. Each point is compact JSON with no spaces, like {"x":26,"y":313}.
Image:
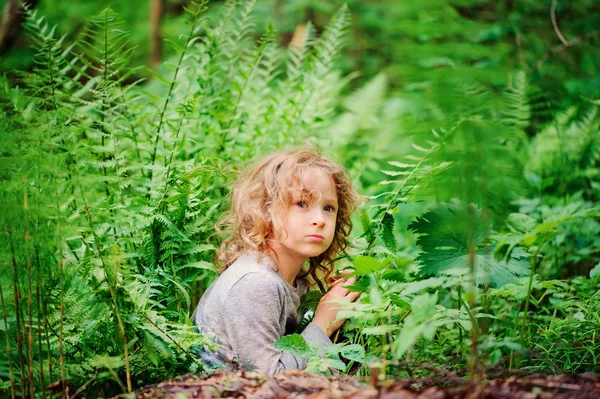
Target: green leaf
{"x":399,"y":302}
{"x":447,"y":233}
{"x":109,"y":362}
{"x":378,"y":330}
{"x":362,"y":284}
{"x":387,"y":232}
{"x":424,"y":306}
{"x":197,"y":265}
{"x":407,"y":338}
{"x":353,"y":352}
{"x":366,"y":225}
{"x":595,"y":272}
{"x":521,"y":223}
{"x":394,"y":275}
{"x":334,"y":364}
{"x":367,"y":265}
{"x":295,"y":344}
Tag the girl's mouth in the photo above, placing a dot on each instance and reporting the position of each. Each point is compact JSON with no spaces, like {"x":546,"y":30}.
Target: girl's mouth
{"x":315,"y":238}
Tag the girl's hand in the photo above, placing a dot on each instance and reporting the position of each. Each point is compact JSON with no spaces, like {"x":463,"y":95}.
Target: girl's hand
{"x":327,"y":310}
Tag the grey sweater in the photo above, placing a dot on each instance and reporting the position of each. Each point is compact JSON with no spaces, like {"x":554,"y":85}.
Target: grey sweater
{"x":247,"y":309}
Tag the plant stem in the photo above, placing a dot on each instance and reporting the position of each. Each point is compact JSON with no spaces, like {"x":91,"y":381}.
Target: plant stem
{"x":62,"y":314}
{"x":17,"y":295}
{"x":112,"y":295}
{"x":472,"y":297}
{"x":46,"y":328}
{"x":29,"y":293}
{"x":10,"y":372}
{"x":39,"y":318}
{"x":171,"y":88}
{"x":460,"y":333}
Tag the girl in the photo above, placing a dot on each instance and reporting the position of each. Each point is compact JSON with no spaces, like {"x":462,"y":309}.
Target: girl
{"x":293,"y":208}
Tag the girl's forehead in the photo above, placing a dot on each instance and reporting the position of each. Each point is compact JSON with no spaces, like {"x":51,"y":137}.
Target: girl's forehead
{"x":314,"y":180}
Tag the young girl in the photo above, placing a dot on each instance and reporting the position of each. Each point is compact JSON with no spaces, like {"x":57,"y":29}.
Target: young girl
{"x":293,"y":208}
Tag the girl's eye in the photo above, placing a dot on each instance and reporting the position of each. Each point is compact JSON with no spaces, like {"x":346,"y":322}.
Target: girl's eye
{"x":329,"y":208}
{"x":302,"y":204}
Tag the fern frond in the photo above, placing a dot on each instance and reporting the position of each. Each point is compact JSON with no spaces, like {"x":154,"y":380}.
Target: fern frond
{"x":387,"y":232}
{"x":236,"y":31}
{"x":329,"y":45}
{"x":415,"y":175}
{"x":251,"y":87}
{"x":52,"y":63}
{"x":590,"y":130}
{"x":517,"y":111}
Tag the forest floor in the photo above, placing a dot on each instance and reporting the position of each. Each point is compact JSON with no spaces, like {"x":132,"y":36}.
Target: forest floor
{"x":297,"y":384}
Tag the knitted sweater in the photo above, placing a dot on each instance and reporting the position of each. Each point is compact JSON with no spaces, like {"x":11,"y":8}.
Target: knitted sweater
{"x":247,"y":309}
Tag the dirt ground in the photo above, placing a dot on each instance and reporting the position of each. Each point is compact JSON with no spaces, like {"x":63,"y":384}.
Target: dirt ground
{"x":297,"y":384}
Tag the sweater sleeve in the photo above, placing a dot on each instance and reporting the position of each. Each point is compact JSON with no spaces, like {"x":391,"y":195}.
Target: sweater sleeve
{"x":253,"y":322}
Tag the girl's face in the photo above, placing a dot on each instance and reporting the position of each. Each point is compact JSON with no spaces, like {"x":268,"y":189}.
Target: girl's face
{"x":309,"y":224}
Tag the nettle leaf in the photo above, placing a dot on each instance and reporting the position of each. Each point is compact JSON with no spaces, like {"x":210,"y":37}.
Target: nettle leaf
{"x":394,"y":275}
{"x":407,"y":337}
{"x":362,"y":284}
{"x":424,"y":306}
{"x":446,"y":234}
{"x":367,"y":265}
{"x":521,"y":222}
{"x":353,"y":352}
{"x":295,"y":344}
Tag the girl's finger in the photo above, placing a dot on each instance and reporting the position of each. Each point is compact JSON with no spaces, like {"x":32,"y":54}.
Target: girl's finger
{"x":338,"y":282}
{"x":350,"y":281}
{"x":353,"y":295}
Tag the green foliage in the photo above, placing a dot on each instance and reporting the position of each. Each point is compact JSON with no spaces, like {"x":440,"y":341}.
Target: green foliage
{"x":295,"y":344}
{"x":454,"y":236}
{"x":118,"y":185}
{"x":480,"y":245}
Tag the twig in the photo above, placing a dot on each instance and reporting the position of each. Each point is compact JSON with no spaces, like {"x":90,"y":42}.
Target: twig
{"x":166,"y":335}
{"x":443,"y":372}
{"x":551,"y":384}
{"x":555,"y":25}
{"x":564,"y":43}
{"x":88,"y":382}
{"x":80,"y":349}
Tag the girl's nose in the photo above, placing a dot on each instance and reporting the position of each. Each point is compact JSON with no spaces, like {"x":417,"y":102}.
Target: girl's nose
{"x":318,"y":219}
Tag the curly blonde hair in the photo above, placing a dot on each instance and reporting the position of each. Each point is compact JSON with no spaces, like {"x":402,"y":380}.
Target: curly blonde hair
{"x":259,"y":201}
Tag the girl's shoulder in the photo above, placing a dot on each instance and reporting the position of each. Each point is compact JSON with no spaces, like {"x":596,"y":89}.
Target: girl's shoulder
{"x":251,"y":267}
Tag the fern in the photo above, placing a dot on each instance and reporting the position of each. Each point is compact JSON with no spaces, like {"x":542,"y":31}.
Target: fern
{"x":517,"y":109}
{"x":413,"y":176}
{"x":135,"y":252}
{"x":50,"y":80}
{"x":387,"y":232}
{"x":252,"y":64}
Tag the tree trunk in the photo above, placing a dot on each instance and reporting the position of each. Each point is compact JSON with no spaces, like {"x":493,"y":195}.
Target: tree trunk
{"x":10,"y":24}
{"x":155,"y":13}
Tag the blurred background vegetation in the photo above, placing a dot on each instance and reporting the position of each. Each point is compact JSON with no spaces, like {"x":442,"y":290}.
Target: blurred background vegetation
{"x":420,"y":45}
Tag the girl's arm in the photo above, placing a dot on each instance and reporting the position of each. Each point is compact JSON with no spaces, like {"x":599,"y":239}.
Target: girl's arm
{"x":254,"y":318}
